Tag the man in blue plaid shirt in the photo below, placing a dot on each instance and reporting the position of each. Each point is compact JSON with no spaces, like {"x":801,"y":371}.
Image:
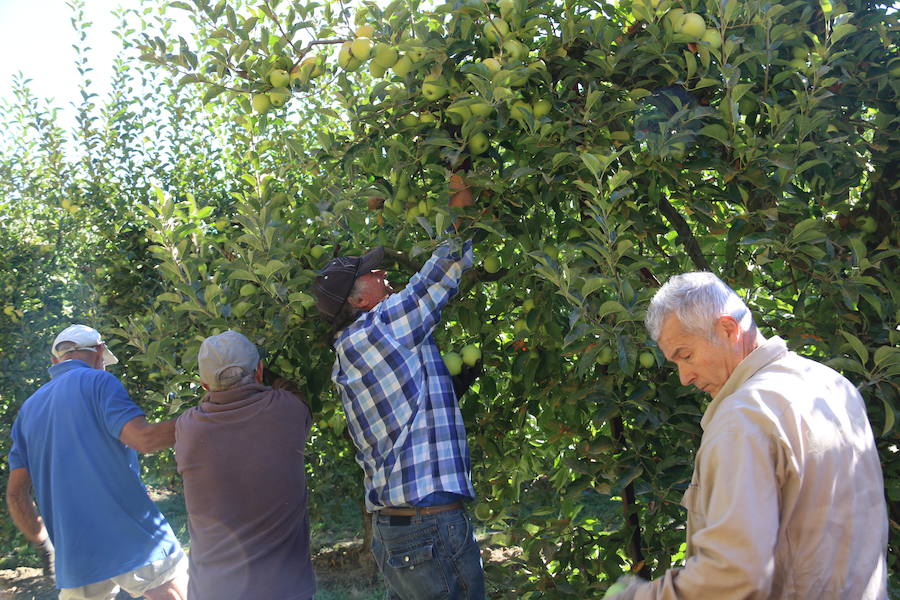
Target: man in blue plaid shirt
{"x":403,"y":415}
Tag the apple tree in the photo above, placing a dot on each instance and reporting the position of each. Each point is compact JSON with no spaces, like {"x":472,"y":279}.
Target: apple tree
{"x":592,"y":149}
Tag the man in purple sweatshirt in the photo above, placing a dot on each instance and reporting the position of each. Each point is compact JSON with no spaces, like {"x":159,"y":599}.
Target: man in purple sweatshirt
{"x":241,"y":455}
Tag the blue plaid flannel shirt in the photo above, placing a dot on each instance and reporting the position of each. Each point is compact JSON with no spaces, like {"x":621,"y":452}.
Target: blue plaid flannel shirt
{"x":402,"y":412}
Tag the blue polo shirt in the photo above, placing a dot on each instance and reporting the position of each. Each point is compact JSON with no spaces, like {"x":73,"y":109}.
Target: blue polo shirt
{"x":86,"y":482}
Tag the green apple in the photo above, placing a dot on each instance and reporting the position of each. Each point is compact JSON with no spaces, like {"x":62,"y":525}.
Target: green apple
{"x":867,"y":224}
{"x":309,"y":68}
{"x":434,"y":87}
{"x":361,"y":48}
{"x":409,"y":120}
{"x":520,"y":325}
{"x":248,"y":289}
{"x":478,"y":143}
{"x":317,"y":251}
{"x":279,"y":96}
{"x":492,"y":64}
{"x":239,"y":309}
{"x":279,"y":78}
{"x":470,"y":354}
{"x":458,"y":114}
{"x":376,"y":70}
{"x":520,"y":110}
{"x":402,"y":67}
{"x":647,"y":359}
{"x":528,"y":305}
{"x":416,"y":53}
{"x":345,"y":55}
{"x":427,"y":118}
{"x":481,"y":108}
{"x":453,"y":361}
{"x":605,"y":356}
{"x":261,"y":103}
{"x":712,"y":37}
{"x":541,"y":108}
{"x":483,"y":512}
{"x":675,"y":18}
{"x":365,"y":31}
{"x":495,"y":30}
{"x":693,"y":25}
{"x":491,"y":264}
{"x":515,"y":49}
{"x":507,"y":8}
{"x":384,"y":55}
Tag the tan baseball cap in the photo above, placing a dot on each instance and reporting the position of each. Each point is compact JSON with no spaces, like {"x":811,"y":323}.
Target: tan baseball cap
{"x":223,"y":351}
{"x":84,"y":338}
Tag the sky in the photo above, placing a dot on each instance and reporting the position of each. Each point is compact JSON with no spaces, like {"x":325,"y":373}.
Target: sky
{"x":36,"y":38}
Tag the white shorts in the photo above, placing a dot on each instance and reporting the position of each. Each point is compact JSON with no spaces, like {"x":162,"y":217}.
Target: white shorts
{"x":134,"y":582}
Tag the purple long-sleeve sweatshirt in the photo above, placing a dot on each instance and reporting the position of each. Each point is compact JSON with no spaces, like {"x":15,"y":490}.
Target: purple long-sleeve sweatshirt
{"x":241,"y":455}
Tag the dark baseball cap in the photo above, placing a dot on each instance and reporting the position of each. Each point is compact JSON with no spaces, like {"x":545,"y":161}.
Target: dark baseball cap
{"x":335,"y":281}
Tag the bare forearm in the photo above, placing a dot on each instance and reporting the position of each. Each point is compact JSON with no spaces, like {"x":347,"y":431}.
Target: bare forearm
{"x":24,"y":516}
{"x":148,"y":437}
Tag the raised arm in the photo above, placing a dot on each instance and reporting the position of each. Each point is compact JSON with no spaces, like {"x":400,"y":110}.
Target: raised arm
{"x":412,"y":313}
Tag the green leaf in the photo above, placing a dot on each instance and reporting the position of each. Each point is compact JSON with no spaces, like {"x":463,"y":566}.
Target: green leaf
{"x":890,"y":417}
{"x":593,"y":284}
{"x":857,"y":346}
{"x":609,"y":307}
{"x":842,"y":31}
{"x":716,"y":132}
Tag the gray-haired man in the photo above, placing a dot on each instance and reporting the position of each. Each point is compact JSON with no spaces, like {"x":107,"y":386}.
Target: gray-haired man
{"x":787,"y":497}
{"x":241,"y":454}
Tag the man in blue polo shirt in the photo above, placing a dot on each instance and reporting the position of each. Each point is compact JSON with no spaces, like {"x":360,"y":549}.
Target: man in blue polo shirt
{"x":404,"y":418}
{"x":75,"y":441}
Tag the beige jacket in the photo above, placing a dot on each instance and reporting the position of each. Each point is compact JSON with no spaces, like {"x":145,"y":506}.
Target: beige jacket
{"x":787,"y":497}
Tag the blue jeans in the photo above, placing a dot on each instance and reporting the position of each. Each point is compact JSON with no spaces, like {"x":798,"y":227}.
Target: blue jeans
{"x":432,"y":557}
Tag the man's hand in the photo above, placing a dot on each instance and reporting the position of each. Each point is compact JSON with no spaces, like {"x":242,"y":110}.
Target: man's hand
{"x":47,"y":555}
{"x":466,"y":378}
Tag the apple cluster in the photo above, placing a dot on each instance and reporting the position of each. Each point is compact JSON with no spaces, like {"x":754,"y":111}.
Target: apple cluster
{"x":469,"y":355}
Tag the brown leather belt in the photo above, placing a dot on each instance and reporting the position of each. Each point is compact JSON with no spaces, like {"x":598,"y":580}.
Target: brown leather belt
{"x":412,"y":511}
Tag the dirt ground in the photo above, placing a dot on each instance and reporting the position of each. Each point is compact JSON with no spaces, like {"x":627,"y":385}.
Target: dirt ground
{"x":334,"y":567}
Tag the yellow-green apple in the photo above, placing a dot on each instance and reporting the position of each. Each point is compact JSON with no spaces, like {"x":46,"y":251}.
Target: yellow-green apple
{"x":385,"y":55}
{"x":402,"y":67}
{"x":260,"y":102}
{"x":279,"y":96}
{"x":434,"y":87}
{"x":361,"y":48}
{"x":470,"y":354}
{"x":495,"y":30}
{"x":478,"y":143}
{"x":453,"y":361}
{"x":693,"y":25}
{"x":492,"y":64}
{"x":491,"y":264}
{"x":279,"y":78}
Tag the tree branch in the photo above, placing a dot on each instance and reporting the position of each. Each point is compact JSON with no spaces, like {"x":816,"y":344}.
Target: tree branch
{"x":684,"y":234}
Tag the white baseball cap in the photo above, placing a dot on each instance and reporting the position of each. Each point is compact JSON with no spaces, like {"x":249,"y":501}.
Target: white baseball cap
{"x":84,"y":338}
{"x":223,"y":351}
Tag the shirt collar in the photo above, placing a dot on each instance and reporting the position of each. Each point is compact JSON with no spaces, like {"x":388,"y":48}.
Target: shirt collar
{"x":764,"y":354}
{"x":66,"y":366}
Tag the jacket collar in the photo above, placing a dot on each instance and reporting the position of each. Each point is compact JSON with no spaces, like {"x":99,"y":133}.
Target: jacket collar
{"x":764,"y":354}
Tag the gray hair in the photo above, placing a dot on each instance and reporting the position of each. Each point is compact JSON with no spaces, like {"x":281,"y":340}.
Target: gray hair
{"x":698,"y":300}
{"x":232,"y":377}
